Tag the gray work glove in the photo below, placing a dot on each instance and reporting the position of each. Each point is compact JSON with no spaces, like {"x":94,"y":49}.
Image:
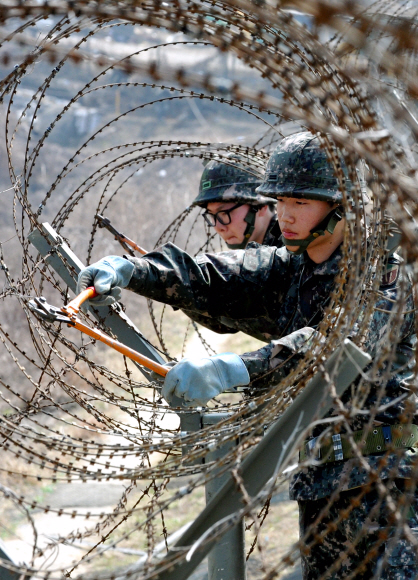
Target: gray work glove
{"x":107,"y":276}
{"x":198,"y":381}
{"x":153,"y":376}
{"x":157,"y":378}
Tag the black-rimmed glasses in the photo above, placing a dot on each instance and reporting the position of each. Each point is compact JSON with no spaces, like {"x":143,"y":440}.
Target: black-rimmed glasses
{"x":223,"y":216}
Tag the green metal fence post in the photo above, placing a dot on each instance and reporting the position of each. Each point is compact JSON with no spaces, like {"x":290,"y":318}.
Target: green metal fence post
{"x":265,"y":461}
{"x":221,"y":566}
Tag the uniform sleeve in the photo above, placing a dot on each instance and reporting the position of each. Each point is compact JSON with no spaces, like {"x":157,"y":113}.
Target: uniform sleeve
{"x":237,"y":284}
{"x":271,"y":363}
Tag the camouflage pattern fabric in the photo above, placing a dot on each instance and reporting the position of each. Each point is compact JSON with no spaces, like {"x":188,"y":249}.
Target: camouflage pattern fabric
{"x":321,"y":481}
{"x":352,"y":538}
{"x":259,"y":286}
{"x":225,"y":325}
{"x":284,"y":297}
{"x":229,"y":181}
{"x":298,"y":167}
{"x":316,"y":482}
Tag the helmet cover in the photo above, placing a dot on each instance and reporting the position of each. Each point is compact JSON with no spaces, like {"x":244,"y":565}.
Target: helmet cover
{"x":229,"y":181}
{"x":299,"y":167}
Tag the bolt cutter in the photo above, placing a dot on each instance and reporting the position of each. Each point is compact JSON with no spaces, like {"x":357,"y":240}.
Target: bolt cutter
{"x":68,"y":315}
{"x":124,"y":241}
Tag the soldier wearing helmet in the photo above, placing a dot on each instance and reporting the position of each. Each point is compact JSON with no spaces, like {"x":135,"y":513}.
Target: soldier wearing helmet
{"x":239,"y":214}
{"x":299,"y":170}
{"x":227,"y":192}
{"x":286,"y":291}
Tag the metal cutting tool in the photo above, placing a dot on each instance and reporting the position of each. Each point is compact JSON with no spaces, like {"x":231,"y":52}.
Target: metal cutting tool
{"x":68,"y":315}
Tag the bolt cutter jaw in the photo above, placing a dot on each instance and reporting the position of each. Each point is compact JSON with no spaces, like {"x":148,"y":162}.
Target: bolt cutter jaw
{"x":68,"y":315}
{"x":42,"y":309}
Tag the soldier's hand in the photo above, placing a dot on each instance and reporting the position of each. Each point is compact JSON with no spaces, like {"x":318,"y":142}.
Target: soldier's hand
{"x":107,"y":276}
{"x":197,"y":381}
{"x":155,"y":377}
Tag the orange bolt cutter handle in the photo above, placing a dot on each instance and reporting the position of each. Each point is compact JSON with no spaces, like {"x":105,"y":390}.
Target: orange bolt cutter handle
{"x":68,"y":315}
{"x":125,"y":350}
{"x":72,"y":309}
{"x":134,"y":245}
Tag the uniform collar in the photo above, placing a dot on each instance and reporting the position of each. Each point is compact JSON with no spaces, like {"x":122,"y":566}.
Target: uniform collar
{"x":329,"y":267}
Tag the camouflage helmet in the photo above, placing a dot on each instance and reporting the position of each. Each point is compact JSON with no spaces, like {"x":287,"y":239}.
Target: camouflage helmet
{"x":300,"y":168}
{"x":229,"y":180}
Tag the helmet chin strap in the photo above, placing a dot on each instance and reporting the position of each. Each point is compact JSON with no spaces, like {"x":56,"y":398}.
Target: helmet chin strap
{"x":326,"y":225}
{"x":250,"y":219}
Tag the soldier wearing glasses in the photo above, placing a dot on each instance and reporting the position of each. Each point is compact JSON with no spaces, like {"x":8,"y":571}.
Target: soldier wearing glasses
{"x":234,"y":209}
{"x":240,"y":215}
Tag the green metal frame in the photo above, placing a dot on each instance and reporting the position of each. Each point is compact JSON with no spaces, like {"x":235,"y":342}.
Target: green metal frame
{"x":266,"y":461}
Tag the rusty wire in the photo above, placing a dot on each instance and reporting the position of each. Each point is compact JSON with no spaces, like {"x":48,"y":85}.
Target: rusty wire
{"x":69,"y":415}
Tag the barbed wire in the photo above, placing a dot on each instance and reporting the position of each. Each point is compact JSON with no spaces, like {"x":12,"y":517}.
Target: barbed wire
{"x":74,"y":413}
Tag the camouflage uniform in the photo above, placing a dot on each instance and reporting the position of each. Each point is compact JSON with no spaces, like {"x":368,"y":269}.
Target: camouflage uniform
{"x":344,"y":522}
{"x":356,"y":547}
{"x":282,"y":296}
{"x":226,"y":325}
{"x":259,"y":286}
{"x":230,"y":180}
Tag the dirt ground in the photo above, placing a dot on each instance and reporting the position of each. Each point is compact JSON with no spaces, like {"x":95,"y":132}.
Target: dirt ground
{"x":277,"y":534}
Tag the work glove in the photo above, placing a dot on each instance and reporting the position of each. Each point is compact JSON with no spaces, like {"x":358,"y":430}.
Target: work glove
{"x":107,"y":276}
{"x":198,"y":381}
{"x":159,"y":380}
{"x":155,"y":377}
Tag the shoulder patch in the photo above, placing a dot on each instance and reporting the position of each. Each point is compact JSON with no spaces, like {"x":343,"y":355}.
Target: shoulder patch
{"x":390,"y":276}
